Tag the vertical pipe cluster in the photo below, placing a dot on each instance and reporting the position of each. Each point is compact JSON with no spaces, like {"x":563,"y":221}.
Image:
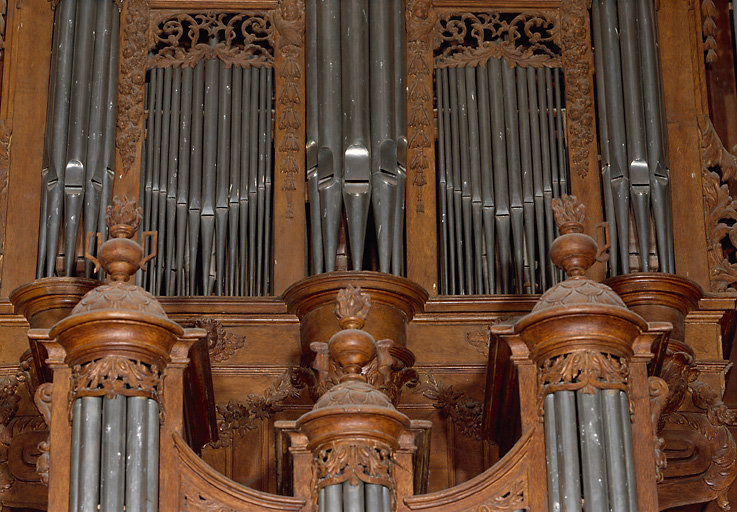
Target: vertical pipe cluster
{"x":632,"y":133}
{"x":356,"y":133}
{"x":588,"y":439}
{"x":207,"y":178}
{"x":80,"y":131}
{"x":501,"y":161}
{"x":346,"y":497}
{"x":115,"y":454}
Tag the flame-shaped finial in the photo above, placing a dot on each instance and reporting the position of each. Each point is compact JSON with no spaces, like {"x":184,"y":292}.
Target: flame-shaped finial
{"x":573,"y":251}
{"x":352,"y":307}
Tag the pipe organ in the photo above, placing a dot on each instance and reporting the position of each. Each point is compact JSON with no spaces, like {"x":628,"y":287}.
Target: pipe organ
{"x":393,"y":256}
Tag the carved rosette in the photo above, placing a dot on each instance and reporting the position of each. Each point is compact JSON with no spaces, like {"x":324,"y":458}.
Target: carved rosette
{"x":528,"y":39}
{"x":421,"y":18}
{"x":578,"y":64}
{"x":132,"y":79}
{"x":289,"y":146}
{"x":345,"y":461}
{"x":114,"y":375}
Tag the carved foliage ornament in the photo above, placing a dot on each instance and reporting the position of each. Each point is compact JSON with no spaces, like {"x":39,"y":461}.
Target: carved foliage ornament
{"x":709,"y":30}
{"x":290,"y":27}
{"x":585,"y":370}
{"x":42,"y":399}
{"x":221,"y":345}
{"x":658,"y":390}
{"x":341,"y":461}
{"x":577,"y":62}
{"x":181,"y":39}
{"x":115,"y":375}
{"x":525,"y":39}
{"x":465,"y":412}
{"x":515,"y":498}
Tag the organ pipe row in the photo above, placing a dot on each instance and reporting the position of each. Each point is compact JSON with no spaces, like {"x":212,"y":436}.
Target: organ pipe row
{"x":356,"y":140}
{"x":361,"y":497}
{"x":635,"y":178}
{"x":80,"y":131}
{"x":207,"y":177}
{"x":501,"y":160}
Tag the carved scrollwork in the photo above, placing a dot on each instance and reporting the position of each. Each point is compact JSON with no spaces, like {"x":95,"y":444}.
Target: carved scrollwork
{"x":658,"y":398}
{"x":115,"y":375}
{"x":236,"y":418}
{"x":584,"y":370}
{"x":339,"y":462}
{"x":465,"y":412}
{"x":515,"y":498}
{"x":707,"y":399}
{"x":42,"y":399}
{"x":421,"y":18}
{"x":290,"y":26}
{"x":577,"y":62}
{"x":181,"y":39}
{"x":221,"y":344}
{"x":132,"y":79}
{"x":525,"y":39}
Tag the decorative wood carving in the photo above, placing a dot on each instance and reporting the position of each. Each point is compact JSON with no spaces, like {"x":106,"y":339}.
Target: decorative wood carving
{"x":132,"y":79}
{"x":235,"y":418}
{"x":343,"y":461}
{"x":115,"y":375}
{"x":421,"y":19}
{"x":180,"y":39}
{"x":221,"y":345}
{"x":465,"y":412}
{"x":525,"y":39}
{"x":480,"y":339}
{"x":8,"y":407}
{"x":6,"y":131}
{"x":290,"y":26}
{"x":587,"y":370}
{"x":578,"y":65}
{"x":510,"y":499}
{"x":720,"y":208}
{"x":658,"y":399}
{"x":42,"y":399}
{"x":709,"y":30}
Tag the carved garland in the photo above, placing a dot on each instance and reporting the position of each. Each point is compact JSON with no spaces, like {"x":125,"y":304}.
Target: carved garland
{"x":132,"y":74}
{"x":577,"y":62}
{"x":181,"y":39}
{"x":526,"y":39}
{"x":115,"y":375}
{"x":584,"y":370}
{"x":421,"y":18}
{"x":465,"y":412}
{"x":290,"y":27}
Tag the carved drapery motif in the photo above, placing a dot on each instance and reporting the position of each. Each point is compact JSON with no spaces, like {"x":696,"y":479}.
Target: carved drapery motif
{"x":421,"y":18}
{"x":578,"y":63}
{"x":515,"y":498}
{"x":584,"y":370}
{"x":115,"y":375}
{"x":221,"y":345}
{"x":525,"y":39}
{"x":341,"y":461}
{"x":181,"y":39}
{"x":132,"y":79}
{"x":290,"y":27}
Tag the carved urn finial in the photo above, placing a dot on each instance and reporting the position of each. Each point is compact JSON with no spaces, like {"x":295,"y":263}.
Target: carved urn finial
{"x":573,"y":251}
{"x":352,"y":348}
{"x":120,"y":256}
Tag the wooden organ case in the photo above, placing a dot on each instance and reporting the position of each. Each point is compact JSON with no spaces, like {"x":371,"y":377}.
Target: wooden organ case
{"x":360,"y":279}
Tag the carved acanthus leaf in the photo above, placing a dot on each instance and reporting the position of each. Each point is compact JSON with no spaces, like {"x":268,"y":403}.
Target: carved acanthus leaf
{"x":465,"y":412}
{"x":713,"y":152}
{"x":221,"y":344}
{"x":341,"y":461}
{"x":707,"y":399}
{"x":115,"y":375}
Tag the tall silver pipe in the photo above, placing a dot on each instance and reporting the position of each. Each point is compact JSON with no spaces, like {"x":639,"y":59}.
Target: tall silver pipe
{"x":472,"y":101}
{"x":528,"y":195}
{"x":321,"y":500}
{"x":447,"y":136}
{"x":400,"y":126}
{"x":629,"y":461}
{"x":593,"y":455}
{"x":547,"y":178}
{"x":234,"y":182}
{"x":560,"y":127}
{"x":487,"y":179}
{"x":163,"y":180}
{"x":195,"y":173}
{"x":551,"y":453}
{"x":263,"y":147}
{"x":269,"y":170}
{"x":442,"y":181}
{"x":567,"y":444}
{"x":245,"y":173}
{"x":330,"y":165}
{"x":223,"y":183}
{"x":553,"y":147}
{"x":253,"y":179}
{"x":152,"y":455}
{"x":334,"y":498}
{"x":185,"y":148}
{"x":383,"y":145}
{"x":353,"y":497}
{"x":209,"y":170}
{"x":614,"y":445}
{"x":136,"y":465}
{"x":74,"y":458}
{"x":89,"y":454}
{"x":172,"y":182}
{"x":466,"y":201}
{"x":147,"y":180}
{"x":455,"y":123}
{"x":112,"y":484}
{"x":537,"y":177}
{"x":311,"y":148}
{"x":156,"y":170}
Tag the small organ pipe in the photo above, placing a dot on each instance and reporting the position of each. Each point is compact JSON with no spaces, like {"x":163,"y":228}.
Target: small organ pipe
{"x":112,"y":486}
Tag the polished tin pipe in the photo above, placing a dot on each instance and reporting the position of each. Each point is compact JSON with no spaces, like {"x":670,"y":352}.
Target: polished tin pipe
{"x":209,"y":170}
{"x":152,"y":455}
{"x":234,"y":182}
{"x":373,"y":498}
{"x":442,"y":182}
{"x":455,"y":123}
{"x":222,"y":182}
{"x":614,"y":446}
{"x":172,"y":181}
{"x":567,"y":444}
{"x":448,"y":192}
{"x":353,"y":497}
{"x":547,"y":177}
{"x":163,"y":180}
{"x":474,"y":150}
{"x":528,"y":196}
{"x":593,"y":455}
{"x":244,"y":180}
{"x":88,"y":490}
{"x":195,"y":174}
{"x":465,"y":183}
{"x":334,"y":498}
{"x":537,"y":177}
{"x":263,"y":147}
{"x":487,"y":180}
{"x":628,"y":450}
{"x":182,"y":197}
{"x":112,"y":486}
{"x":551,"y":453}
{"x":312,"y":145}
{"x":74,"y":458}
{"x":136,"y":465}
{"x":269,"y":171}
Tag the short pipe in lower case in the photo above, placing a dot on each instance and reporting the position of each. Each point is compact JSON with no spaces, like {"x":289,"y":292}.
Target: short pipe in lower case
{"x":89,"y":454}
{"x":628,"y":454}
{"x":551,"y":454}
{"x":135,"y":468}
{"x":567,"y":443}
{"x":112,"y":485}
{"x":353,"y":497}
{"x":321,"y":500}
{"x":386,"y":498}
{"x":152,"y":455}
{"x":334,"y":498}
{"x":76,"y":440}
{"x":593,"y":456}
{"x":374,"y":498}
{"x":614,"y":446}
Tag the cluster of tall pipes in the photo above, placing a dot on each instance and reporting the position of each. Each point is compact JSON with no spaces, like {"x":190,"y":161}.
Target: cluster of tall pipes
{"x":79,"y":154}
{"x":588,"y":444}
{"x":356,"y":128}
{"x":361,"y":497}
{"x":501,"y":160}
{"x":206,"y":178}
{"x":115,"y":454}
{"x":635,"y":179}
